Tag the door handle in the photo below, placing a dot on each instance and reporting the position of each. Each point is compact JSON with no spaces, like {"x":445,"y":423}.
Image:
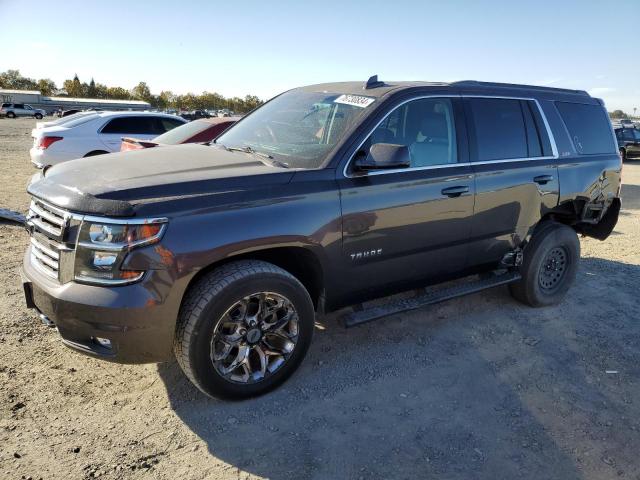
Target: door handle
{"x":542,"y":179}
{"x":455,"y":191}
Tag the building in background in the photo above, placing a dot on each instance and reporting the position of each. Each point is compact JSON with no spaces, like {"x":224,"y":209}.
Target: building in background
{"x":51,"y":104}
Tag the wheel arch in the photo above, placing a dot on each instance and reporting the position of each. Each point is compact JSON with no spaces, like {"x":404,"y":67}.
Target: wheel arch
{"x":300,"y":262}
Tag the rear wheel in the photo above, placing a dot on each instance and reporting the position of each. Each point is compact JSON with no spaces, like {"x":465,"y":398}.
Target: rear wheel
{"x":623,"y":154}
{"x":549,"y":267}
{"x":243,"y":329}
{"x":11,"y":115}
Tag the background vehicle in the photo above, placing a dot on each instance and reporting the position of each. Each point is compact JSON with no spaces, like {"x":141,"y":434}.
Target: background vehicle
{"x":66,"y":113}
{"x":95,"y":133}
{"x":195,"y":114}
{"x":13,"y":110}
{"x":628,"y":142}
{"x":202,"y":130}
{"x":325,"y":196}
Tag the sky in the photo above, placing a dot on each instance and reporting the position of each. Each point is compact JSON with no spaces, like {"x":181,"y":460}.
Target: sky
{"x":265,"y":47}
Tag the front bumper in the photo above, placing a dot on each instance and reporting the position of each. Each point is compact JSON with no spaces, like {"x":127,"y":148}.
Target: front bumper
{"x":139,"y":320}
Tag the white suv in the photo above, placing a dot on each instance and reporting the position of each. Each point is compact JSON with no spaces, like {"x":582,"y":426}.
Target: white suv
{"x":95,"y":134}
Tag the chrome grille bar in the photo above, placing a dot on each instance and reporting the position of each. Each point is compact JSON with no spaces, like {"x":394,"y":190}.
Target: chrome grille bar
{"x":47,"y":221}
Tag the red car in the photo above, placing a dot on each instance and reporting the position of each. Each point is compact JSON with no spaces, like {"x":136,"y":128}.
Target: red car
{"x":197,"y":131}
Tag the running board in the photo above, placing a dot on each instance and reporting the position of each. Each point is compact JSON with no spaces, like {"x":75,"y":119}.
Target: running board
{"x":429,"y":298}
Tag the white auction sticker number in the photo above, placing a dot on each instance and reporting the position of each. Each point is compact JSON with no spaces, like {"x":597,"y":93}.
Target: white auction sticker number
{"x":355,"y":100}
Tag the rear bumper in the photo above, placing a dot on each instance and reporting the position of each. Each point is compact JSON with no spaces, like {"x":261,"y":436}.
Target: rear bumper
{"x":50,"y":156}
{"x":138,"y":320}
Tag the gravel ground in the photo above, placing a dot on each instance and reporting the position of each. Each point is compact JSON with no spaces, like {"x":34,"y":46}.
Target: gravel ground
{"x":479,"y":387}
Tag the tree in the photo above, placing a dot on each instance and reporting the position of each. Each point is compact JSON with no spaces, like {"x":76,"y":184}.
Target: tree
{"x":91,"y":89}
{"x":12,"y":79}
{"x":142,"y":92}
{"x":118,"y":93}
{"x":47,"y":86}
{"x":618,"y":114}
{"x":74,"y":87}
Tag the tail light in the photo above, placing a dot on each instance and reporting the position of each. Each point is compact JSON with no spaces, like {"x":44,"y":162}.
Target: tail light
{"x":45,"y":142}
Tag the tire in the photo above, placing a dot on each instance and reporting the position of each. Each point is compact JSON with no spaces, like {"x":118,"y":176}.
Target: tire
{"x":11,"y":115}
{"x":38,"y":116}
{"x":623,"y":154}
{"x":200,"y":323}
{"x":94,"y":153}
{"x":549,"y":267}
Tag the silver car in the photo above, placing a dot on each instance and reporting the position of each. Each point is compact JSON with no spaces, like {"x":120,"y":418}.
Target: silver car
{"x":13,"y":110}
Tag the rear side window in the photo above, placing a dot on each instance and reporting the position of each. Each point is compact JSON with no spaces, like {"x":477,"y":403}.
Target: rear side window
{"x":167,"y":124}
{"x":500,"y":130}
{"x":588,"y":127}
{"x":143,"y":125}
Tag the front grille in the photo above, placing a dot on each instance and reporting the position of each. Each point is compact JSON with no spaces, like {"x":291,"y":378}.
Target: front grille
{"x":47,"y":218}
{"x":48,"y":227}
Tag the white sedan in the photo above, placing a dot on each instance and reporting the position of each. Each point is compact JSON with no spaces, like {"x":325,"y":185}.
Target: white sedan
{"x":95,"y":133}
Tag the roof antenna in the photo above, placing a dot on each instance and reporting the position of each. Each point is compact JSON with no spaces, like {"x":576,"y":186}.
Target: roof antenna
{"x":373,"y":82}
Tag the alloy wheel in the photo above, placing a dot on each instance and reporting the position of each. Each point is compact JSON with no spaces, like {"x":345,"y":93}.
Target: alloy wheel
{"x":254,"y":338}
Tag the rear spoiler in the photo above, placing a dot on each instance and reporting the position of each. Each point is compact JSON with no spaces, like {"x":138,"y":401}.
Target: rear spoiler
{"x":137,"y":141}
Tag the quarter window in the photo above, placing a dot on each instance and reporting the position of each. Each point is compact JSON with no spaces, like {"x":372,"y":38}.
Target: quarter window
{"x":588,"y":127}
{"x":500,"y":131}
{"x":426,"y":126}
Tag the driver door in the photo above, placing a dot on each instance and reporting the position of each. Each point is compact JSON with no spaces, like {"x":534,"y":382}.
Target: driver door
{"x":410,"y":225}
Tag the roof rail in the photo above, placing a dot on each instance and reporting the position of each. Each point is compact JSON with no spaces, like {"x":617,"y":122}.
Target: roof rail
{"x":476,"y":83}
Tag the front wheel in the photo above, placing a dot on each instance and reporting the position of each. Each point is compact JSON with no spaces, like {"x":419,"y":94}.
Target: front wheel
{"x":38,"y":116}
{"x":549,"y":267}
{"x":623,"y":154}
{"x":243,"y":329}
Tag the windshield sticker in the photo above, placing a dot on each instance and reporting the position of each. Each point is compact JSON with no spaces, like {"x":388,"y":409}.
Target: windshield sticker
{"x":355,"y":100}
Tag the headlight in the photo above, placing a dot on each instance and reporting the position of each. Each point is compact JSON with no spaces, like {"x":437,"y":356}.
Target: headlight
{"x":102,"y":247}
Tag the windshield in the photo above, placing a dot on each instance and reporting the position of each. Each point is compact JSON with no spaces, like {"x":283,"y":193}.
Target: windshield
{"x":297,"y":128}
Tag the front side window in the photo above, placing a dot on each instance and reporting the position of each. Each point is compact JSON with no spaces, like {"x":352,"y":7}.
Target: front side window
{"x":298,"y":128}
{"x":424,"y":125}
{"x":588,"y":127}
{"x":500,"y":131}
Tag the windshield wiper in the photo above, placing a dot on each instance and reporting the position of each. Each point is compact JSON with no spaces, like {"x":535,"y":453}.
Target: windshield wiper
{"x":251,"y":151}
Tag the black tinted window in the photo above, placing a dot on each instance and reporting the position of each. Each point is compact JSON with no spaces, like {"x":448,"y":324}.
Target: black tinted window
{"x":500,"y":131}
{"x":18,"y":105}
{"x":130,"y":125}
{"x":588,"y":127}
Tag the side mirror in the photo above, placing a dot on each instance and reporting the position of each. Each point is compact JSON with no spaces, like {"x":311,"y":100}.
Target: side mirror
{"x":384,"y":156}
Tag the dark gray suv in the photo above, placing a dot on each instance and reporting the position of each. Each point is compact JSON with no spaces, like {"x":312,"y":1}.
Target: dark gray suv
{"x":326,"y":196}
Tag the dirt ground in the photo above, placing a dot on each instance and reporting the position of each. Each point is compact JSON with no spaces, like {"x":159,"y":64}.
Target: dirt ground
{"x":480,"y":387}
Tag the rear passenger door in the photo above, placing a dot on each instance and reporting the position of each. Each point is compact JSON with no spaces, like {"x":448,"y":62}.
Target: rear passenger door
{"x":516,"y":173}
{"x":144,"y":127}
{"x":411,"y":224}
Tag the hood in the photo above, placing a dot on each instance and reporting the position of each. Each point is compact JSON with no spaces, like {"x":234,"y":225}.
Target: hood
{"x":114,"y":184}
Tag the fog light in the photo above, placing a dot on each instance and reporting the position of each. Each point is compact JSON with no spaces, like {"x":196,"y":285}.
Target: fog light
{"x":104,"y":342}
